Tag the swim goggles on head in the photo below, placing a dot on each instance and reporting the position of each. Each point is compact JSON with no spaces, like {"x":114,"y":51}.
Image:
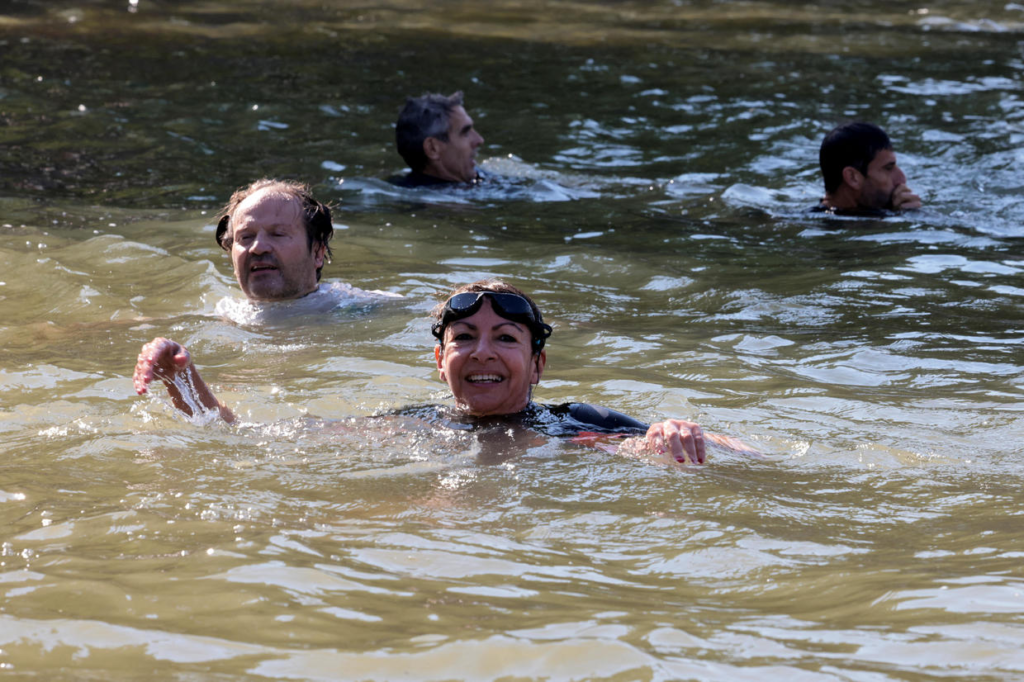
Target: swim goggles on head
{"x":510,"y":306}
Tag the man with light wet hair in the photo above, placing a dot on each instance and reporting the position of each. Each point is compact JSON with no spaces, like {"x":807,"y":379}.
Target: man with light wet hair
{"x":436,"y":137}
{"x":278,"y":237}
{"x":860,"y":173}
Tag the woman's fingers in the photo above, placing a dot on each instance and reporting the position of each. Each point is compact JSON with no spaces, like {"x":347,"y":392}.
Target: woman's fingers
{"x":160,"y":358}
{"x":682,"y":439}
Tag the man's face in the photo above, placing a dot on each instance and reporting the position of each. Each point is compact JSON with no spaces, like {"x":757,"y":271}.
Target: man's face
{"x":454,"y":159}
{"x":881,"y":180}
{"x":270,"y":251}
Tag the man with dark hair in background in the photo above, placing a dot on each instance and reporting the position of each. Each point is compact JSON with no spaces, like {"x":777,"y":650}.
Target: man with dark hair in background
{"x":860,"y":173}
{"x":436,"y":137}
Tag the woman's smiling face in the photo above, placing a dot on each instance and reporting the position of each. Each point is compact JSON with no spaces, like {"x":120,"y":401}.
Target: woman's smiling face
{"x":488,"y":362}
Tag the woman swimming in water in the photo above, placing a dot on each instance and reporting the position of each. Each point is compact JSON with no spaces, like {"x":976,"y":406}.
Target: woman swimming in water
{"x":490,"y":352}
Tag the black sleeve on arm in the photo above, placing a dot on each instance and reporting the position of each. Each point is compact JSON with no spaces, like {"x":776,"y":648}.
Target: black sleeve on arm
{"x":604,"y":419}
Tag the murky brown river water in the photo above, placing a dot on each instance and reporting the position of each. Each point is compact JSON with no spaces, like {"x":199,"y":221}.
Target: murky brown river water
{"x":658,"y":162}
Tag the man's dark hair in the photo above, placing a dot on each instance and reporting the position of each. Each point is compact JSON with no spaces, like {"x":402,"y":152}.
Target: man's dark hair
{"x":851,"y":144}
{"x":423,"y":117}
{"x":316,"y":217}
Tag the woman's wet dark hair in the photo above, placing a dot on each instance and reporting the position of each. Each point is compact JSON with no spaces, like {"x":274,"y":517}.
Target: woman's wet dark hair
{"x":539,"y":331}
{"x":316,"y":217}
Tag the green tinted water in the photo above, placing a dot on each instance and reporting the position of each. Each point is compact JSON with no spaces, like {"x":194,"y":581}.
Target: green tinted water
{"x":659,"y":159}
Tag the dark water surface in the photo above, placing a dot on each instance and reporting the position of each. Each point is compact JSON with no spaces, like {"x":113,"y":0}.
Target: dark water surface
{"x":657,"y":161}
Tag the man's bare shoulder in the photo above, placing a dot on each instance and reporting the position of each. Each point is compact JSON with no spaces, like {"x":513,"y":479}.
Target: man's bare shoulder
{"x":327,"y":297}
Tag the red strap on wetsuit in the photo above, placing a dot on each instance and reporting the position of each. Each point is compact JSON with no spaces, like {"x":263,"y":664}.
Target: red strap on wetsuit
{"x":602,"y":441}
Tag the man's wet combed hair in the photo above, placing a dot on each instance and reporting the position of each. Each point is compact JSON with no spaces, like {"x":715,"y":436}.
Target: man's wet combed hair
{"x":539,"y":333}
{"x":315,"y":216}
{"x":851,"y":144}
{"x":423,"y":117}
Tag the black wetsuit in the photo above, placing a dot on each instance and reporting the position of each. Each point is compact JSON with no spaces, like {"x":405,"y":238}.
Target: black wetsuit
{"x":416,"y":179}
{"x":565,"y":420}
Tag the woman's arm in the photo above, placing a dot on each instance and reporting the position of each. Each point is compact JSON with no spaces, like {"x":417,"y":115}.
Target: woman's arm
{"x":172,"y":363}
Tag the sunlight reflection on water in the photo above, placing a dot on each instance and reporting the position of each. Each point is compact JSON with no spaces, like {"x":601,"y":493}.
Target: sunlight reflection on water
{"x":651,"y":171}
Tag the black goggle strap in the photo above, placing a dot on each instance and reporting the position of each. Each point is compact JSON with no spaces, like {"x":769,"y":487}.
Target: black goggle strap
{"x":540,"y":333}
